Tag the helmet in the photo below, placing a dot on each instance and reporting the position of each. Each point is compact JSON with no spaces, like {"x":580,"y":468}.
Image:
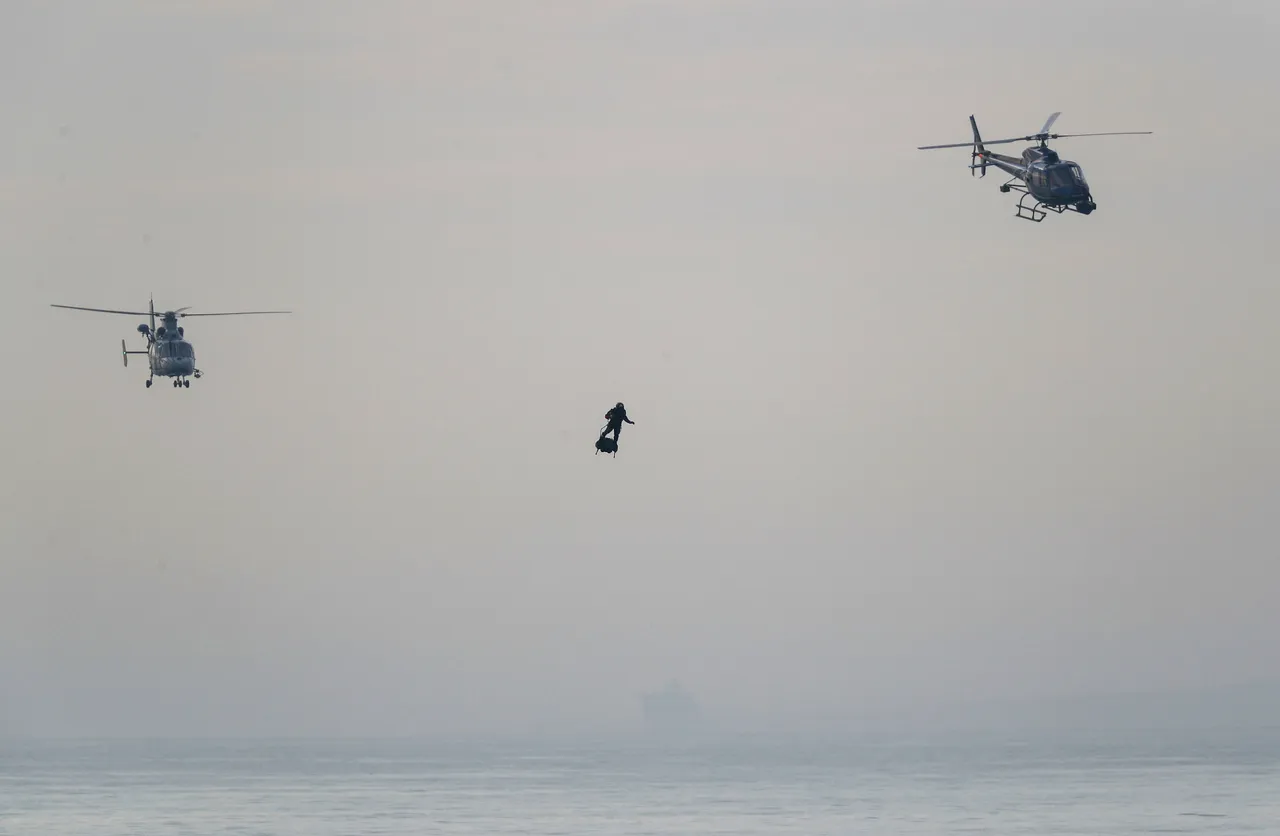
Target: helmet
{"x":620,"y":406}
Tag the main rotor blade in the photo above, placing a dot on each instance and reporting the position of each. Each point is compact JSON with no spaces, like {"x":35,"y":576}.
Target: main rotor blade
{"x":971,"y":143}
{"x":1109,"y":133}
{"x":1031,"y":139}
{"x":1048,"y":123}
{"x":234,"y":313}
{"x":101,"y":310}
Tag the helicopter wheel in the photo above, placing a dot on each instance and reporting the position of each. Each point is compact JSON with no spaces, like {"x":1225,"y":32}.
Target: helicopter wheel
{"x":148,"y":383}
{"x":186,"y":383}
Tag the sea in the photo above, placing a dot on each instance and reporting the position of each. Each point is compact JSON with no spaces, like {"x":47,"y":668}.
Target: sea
{"x":1080,"y":783}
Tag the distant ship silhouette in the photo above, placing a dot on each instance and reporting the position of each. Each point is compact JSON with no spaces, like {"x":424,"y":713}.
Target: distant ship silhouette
{"x":671,"y":710}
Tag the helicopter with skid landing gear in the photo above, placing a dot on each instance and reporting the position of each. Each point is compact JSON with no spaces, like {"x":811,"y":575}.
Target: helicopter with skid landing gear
{"x":1048,"y":183}
{"x":168,"y":352}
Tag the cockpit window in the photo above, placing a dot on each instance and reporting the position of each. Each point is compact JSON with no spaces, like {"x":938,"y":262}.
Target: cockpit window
{"x":1065,"y":176}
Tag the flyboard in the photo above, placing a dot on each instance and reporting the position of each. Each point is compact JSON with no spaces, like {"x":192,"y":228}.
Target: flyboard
{"x":604,"y":444}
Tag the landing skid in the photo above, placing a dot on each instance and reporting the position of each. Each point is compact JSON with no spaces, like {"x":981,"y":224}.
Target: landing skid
{"x":1032,"y":209}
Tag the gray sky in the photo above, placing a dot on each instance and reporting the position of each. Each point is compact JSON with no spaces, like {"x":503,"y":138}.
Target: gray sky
{"x":893,"y":446}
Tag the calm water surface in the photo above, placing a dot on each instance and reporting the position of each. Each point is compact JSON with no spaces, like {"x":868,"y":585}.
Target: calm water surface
{"x":1158,"y":782}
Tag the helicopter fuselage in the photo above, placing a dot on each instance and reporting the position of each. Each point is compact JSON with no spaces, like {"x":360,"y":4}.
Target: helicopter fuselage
{"x":1050,"y":179}
{"x":168,"y":352}
{"x":173,"y":358}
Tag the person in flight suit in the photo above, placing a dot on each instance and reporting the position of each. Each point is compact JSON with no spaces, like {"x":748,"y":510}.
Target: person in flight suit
{"x":615,"y":417}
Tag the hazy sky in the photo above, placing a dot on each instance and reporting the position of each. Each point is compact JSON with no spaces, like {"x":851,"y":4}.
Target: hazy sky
{"x":892,"y":445}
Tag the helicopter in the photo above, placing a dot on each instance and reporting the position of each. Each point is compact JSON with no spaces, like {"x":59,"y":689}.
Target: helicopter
{"x":1047,"y":182}
{"x":168,"y":352}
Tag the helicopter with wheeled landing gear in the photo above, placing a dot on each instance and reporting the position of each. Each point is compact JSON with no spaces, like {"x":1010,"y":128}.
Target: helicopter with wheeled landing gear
{"x":168,"y":352}
{"x":1048,"y":183}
